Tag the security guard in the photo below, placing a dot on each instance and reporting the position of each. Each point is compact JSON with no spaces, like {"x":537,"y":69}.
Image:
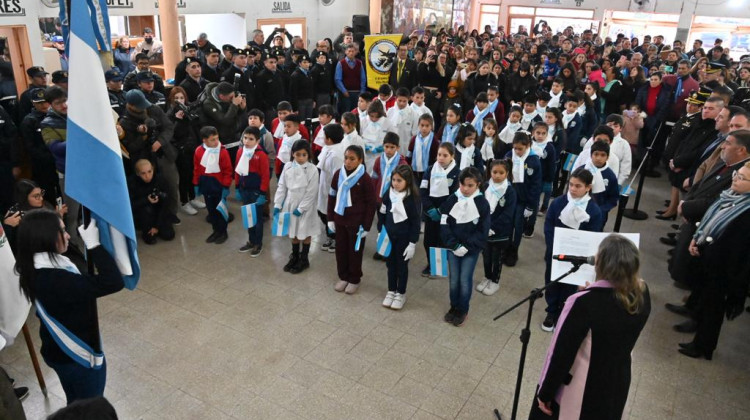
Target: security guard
{"x":226,"y":59}
{"x":241,"y":78}
{"x":322,"y":75}
{"x":194,"y":83}
{"x":113,"y":77}
{"x":145,"y":81}
{"x":683,"y":126}
{"x":271,"y":86}
{"x":38,"y":80}
{"x":142,"y":64}
{"x":189,"y":50}
{"x":42,"y":162}
{"x":211,"y":68}
{"x":60,"y":78}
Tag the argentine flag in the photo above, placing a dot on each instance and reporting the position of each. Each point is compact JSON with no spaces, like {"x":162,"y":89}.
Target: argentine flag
{"x":281,"y":224}
{"x":384,"y":243}
{"x":570,"y":159}
{"x":94,"y":170}
{"x":439,"y":262}
{"x":249,"y":216}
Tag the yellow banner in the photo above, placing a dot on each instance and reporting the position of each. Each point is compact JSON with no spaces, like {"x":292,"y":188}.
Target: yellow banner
{"x":380,"y":53}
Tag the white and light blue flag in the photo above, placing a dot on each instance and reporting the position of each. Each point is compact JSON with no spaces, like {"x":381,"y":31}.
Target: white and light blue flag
{"x":439,"y":262}
{"x":249,"y":216}
{"x":384,"y":243}
{"x":281,"y":224}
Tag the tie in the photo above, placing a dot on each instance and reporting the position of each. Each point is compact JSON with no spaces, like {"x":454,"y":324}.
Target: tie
{"x":678,"y":90}
{"x":400,"y":69}
{"x":711,"y":147}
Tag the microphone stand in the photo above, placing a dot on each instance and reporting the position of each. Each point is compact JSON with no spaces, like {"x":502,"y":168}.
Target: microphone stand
{"x":526,"y":332}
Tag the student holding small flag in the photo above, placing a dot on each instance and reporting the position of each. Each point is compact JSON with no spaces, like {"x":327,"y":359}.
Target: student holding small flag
{"x":296,"y":199}
{"x":251,"y":179}
{"x":423,"y":147}
{"x":382,"y":170}
{"x":212,"y":176}
{"x":464,"y":226}
{"x":399,"y":226}
{"x":351,"y":208}
{"x":330,"y":160}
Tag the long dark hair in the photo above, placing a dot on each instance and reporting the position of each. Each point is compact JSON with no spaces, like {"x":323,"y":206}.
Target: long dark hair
{"x":39,"y":231}
{"x":24,"y":187}
{"x":405,"y":172}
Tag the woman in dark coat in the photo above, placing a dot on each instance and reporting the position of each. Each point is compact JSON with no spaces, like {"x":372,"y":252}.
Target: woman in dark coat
{"x":587,"y":372}
{"x":721,"y":243}
{"x":611,"y":93}
{"x":520,"y":84}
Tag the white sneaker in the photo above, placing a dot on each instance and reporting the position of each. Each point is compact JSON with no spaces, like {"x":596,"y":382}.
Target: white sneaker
{"x":340,"y":285}
{"x":196,"y":203}
{"x":491,"y":288}
{"x":398,"y":301}
{"x":482,"y":285}
{"x":351,"y":288}
{"x":188,"y":209}
{"x":389,"y":299}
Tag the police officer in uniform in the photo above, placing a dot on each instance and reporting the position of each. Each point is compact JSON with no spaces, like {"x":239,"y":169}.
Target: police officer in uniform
{"x":8,"y":91}
{"x":271,"y":86}
{"x":194,"y":83}
{"x":142,"y":64}
{"x":302,"y":88}
{"x":113,"y":77}
{"x":42,"y":162}
{"x":211,"y":68}
{"x":38,"y":80}
{"x":189,"y":50}
{"x":241,"y":78}
{"x":60,"y":78}
{"x":226,"y":59}
{"x":146,"y":85}
{"x":322,"y":75}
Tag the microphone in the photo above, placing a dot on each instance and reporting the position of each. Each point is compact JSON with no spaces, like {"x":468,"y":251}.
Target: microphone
{"x":574,"y":259}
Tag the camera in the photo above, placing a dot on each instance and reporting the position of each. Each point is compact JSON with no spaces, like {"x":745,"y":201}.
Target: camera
{"x":153,"y":134}
{"x":157,"y":193}
{"x":188,"y":114}
{"x":16,"y":208}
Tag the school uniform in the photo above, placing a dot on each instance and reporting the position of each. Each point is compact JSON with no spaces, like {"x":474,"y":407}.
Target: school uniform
{"x":319,"y":139}
{"x":572,"y":124}
{"x":493,"y":148}
{"x":547,"y":157}
{"x":613,"y":163}
{"x":330,"y":160}
{"x":283,"y":143}
{"x":620,"y":148}
{"x":508,"y":132}
{"x":476,"y":117}
{"x":589,"y":121}
{"x":351,"y":206}
{"x":556,"y":294}
{"x":298,"y":190}
{"x":251,"y":178}
{"x":389,"y":103}
{"x":353,"y":139}
{"x":502,"y":201}
{"x":373,"y":136}
{"x":382,"y":170}
{"x":527,"y":181}
{"x":604,"y":189}
{"x":469,"y":156}
{"x":447,"y":133}
{"x":437,"y":185}
{"x":212,"y":174}
{"x":465,"y":222}
{"x":529,"y":120}
{"x":399,"y":215}
{"x":403,"y":122}
{"x":418,"y":111}
{"x":422,"y":154}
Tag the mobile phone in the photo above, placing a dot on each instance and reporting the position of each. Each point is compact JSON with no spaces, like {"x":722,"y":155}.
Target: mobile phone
{"x":668,"y":69}
{"x":59,"y":203}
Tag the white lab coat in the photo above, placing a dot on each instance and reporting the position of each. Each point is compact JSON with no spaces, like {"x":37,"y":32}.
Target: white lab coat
{"x":373,"y":136}
{"x":331,"y":159}
{"x":621,"y":149}
{"x":298,"y":189}
{"x":418,"y":112}
{"x":402,"y":121}
{"x":613,"y":162}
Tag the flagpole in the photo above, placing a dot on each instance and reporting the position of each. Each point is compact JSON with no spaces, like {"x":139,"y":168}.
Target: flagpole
{"x":34,"y":359}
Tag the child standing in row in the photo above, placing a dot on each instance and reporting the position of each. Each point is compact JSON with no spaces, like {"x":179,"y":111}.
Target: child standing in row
{"x":382,"y":169}
{"x":374,"y":133}
{"x":402,"y":118}
{"x":464,"y":227}
{"x":350,"y":122}
{"x":467,"y":154}
{"x":490,"y":143}
{"x":530,"y":115}
{"x":212,"y":176}
{"x":449,"y":130}
{"x":251,"y":180}
{"x":513,"y":126}
{"x":542,"y":146}
{"x":604,"y":188}
{"x":297,"y":194}
{"x":501,"y":197}
{"x":325,"y":117}
{"x":284,"y":145}
{"x":400,"y":218}
{"x":423,"y":147}
{"x":527,"y":181}
{"x":330,"y":160}
{"x":419,"y":109}
{"x":480,"y":112}
{"x":351,"y":208}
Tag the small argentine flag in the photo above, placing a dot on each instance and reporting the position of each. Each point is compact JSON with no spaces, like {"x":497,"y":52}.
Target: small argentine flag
{"x":570,"y":159}
{"x":384,"y":243}
{"x":439,"y":262}
{"x":358,"y":244}
{"x":223,"y":210}
{"x":626,"y":190}
{"x":249,"y":216}
{"x":281,"y":224}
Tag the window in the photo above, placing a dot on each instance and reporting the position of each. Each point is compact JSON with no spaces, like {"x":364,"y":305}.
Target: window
{"x":489,"y":14}
{"x":296,"y":27}
{"x":735,"y":32}
{"x":557,"y":18}
{"x":638,"y":24}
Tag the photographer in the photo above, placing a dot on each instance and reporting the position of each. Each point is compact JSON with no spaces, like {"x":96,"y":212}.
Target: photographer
{"x":221,"y":108}
{"x":148,"y":198}
{"x":186,"y":125}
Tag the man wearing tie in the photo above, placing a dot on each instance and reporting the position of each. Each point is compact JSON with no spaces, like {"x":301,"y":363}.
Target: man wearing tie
{"x":403,"y":70}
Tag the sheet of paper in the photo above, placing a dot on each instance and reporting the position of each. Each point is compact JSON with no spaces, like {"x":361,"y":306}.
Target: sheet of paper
{"x":583,"y":244}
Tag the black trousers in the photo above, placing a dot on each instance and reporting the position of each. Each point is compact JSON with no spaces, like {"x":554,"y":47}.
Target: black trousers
{"x":154,"y":216}
{"x":184,"y":164}
{"x":211,"y":190}
{"x":431,"y":237}
{"x":710,"y":316}
{"x":398,"y":269}
{"x":492,"y":256}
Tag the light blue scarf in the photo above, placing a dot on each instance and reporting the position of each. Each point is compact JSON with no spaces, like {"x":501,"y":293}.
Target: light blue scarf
{"x":423,"y":144}
{"x":386,"y":170}
{"x":479,"y":118}
{"x":449,"y":133}
{"x":346,"y":182}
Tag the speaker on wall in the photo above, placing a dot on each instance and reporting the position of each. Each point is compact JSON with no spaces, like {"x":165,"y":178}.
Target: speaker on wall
{"x":361,"y":24}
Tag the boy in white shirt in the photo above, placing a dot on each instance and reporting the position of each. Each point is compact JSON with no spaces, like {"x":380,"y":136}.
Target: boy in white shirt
{"x":601,"y":133}
{"x":402,"y":118}
{"x":619,"y":148}
{"x":419,"y":108}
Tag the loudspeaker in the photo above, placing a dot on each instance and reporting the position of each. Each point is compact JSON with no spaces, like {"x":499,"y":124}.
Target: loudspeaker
{"x":361,"y":24}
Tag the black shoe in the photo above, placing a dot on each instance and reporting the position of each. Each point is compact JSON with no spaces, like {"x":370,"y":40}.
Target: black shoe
{"x":692,"y":351}
{"x":174,"y":220}
{"x":510,"y":257}
{"x":672,"y":235}
{"x":302,"y":264}
{"x":459,"y":318}
{"x":426,"y":272}
{"x":221,"y":238}
{"x":256,"y":251}
{"x":378,"y":257}
{"x":212,"y":238}
{"x":678,"y":309}
{"x":663,"y":217}
{"x":675,"y":226}
{"x":667,"y":203}
{"x":549,"y":323}
{"x":668,"y":241}
{"x":686,"y":345}
{"x":247,"y":247}
{"x":660,"y":211}
{"x":450,"y":315}
{"x":293,"y":258}
{"x":652,"y":173}
{"x":688,"y":327}
{"x":21,"y":392}
{"x":149,"y":239}
{"x":681,"y":286}
{"x":230,"y":219}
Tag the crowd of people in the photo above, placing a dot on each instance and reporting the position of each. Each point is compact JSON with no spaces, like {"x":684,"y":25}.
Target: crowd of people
{"x":473,"y":138}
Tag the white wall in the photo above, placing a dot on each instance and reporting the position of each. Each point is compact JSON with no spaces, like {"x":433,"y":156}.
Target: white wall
{"x":222,"y":29}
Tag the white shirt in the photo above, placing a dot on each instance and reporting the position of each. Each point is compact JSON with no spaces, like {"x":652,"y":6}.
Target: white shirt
{"x":621,"y":149}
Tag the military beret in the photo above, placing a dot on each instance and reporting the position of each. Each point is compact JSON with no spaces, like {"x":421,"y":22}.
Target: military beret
{"x":144,"y":76}
{"x":189,"y":46}
{"x":37,"y":95}
{"x":59,"y":76}
{"x":113,"y":75}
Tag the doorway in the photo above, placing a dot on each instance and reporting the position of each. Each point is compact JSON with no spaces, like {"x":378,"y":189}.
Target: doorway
{"x":17,"y":52}
{"x":295,"y":26}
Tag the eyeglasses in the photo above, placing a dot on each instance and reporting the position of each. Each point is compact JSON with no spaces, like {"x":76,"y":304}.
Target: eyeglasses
{"x":41,"y":194}
{"x":737,"y":175}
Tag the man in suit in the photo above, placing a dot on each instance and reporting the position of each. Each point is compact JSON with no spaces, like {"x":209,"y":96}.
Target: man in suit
{"x":403,"y":69}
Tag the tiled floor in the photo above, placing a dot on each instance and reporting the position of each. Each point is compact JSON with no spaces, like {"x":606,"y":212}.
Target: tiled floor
{"x":214,"y":334}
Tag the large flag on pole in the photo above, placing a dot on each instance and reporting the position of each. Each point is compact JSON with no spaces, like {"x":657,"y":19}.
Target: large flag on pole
{"x":94,"y":172}
{"x":14,"y":307}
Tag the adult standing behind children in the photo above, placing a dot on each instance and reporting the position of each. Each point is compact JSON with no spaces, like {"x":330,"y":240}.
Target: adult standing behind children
{"x":350,"y":79}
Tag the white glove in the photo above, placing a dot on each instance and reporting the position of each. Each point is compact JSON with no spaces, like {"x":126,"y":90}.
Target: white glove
{"x":362,"y":233}
{"x":382,"y":208}
{"x":492,"y":232}
{"x":332,"y":227}
{"x":460,"y":251}
{"x":409,"y":251}
{"x":90,"y":235}
{"x":527,"y":213}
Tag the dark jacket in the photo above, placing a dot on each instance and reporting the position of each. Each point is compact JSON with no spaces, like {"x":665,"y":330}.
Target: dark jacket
{"x":408,"y":75}
{"x":548,"y":162}
{"x":9,"y":144}
{"x":271,"y":89}
{"x":76,"y":308}
{"x":530,"y":189}
{"x":363,"y":207}
{"x":55,"y":133}
{"x":322,"y":78}
{"x":518,"y":87}
{"x":608,"y":199}
{"x":428,"y":202}
{"x":130,"y":82}
{"x":301,"y":87}
{"x":42,"y":161}
{"x":573,"y":135}
{"x":222,"y":115}
{"x":193,"y":87}
{"x":471,"y":235}
{"x":408,"y":229}
{"x":501,"y":220}
{"x":552,"y":219}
